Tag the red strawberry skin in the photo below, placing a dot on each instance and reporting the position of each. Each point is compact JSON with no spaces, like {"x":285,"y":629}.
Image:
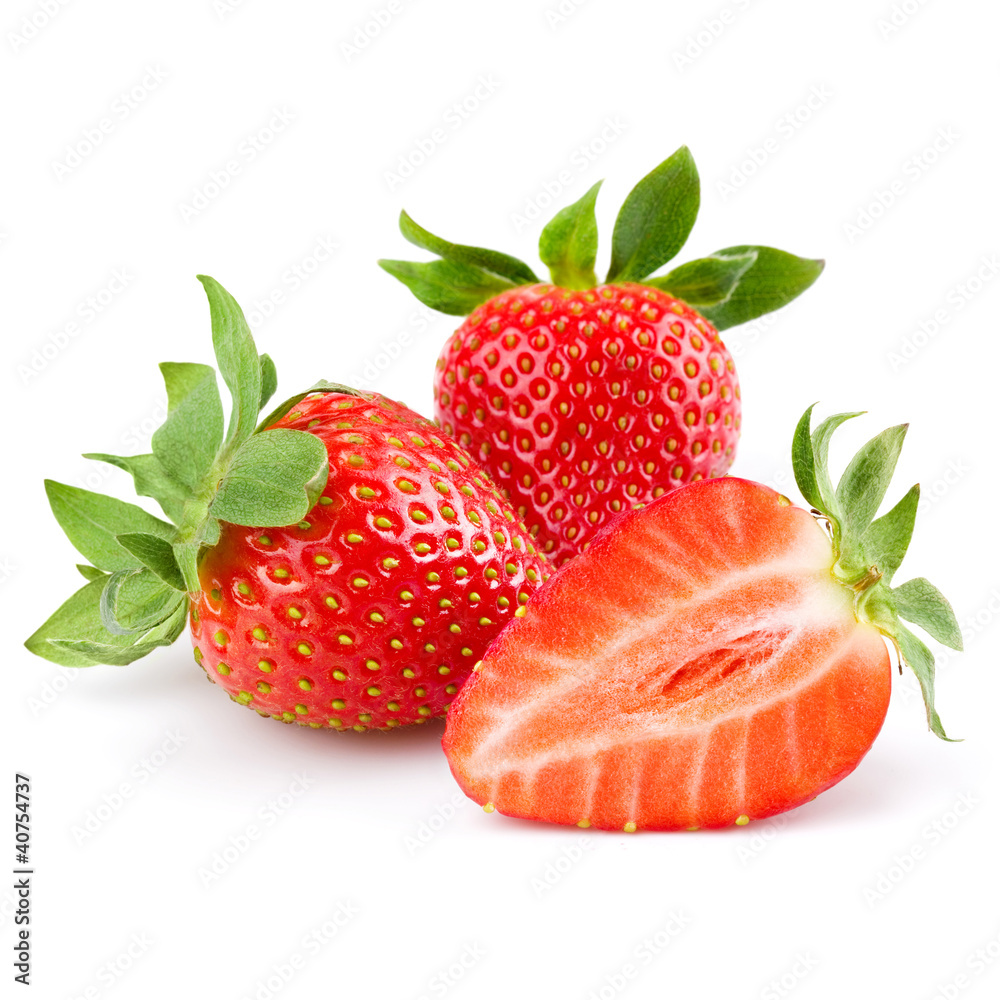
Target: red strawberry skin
{"x":698,"y":666}
{"x":581,"y":404}
{"x":372,"y":611}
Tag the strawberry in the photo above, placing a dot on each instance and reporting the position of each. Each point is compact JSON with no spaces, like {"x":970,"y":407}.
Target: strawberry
{"x":581,"y":398}
{"x":343,"y":565}
{"x":716,"y":656}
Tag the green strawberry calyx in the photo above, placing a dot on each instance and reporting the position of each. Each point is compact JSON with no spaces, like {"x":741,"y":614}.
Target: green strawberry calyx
{"x":868,"y":550}
{"x":141,"y":569}
{"x":728,"y":287}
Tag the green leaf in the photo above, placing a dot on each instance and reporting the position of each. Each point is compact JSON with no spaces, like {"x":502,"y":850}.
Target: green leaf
{"x":886,"y":540}
{"x":774,"y":280}
{"x":921,"y":661}
{"x":91,"y":572}
{"x":821,"y":450}
{"x":237,"y":358}
{"x":92,"y":521}
{"x":156,"y":554}
{"x":187,"y":442}
{"x":656,"y":218}
{"x":497,"y":263}
{"x":78,"y":620}
{"x":151,"y":480}
{"x":99,"y":652}
{"x":920,"y":602}
{"x":568,"y":244}
{"x":449,"y":287}
{"x":804,"y":461}
{"x":136,"y":600}
{"x":268,"y":380}
{"x":273,"y":480}
{"x":708,"y":281}
{"x":864,"y":483}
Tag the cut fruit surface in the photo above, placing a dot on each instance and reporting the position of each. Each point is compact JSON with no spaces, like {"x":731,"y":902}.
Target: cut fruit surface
{"x":699,"y":664}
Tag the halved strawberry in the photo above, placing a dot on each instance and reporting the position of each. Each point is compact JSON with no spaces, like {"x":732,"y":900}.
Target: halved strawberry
{"x":714,"y":657}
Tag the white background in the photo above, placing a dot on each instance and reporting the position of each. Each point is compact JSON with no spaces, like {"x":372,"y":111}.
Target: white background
{"x":886,"y":886}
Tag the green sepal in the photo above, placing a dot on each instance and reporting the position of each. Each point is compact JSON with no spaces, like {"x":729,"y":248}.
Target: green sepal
{"x":270,"y":479}
{"x":445,"y":285}
{"x":921,"y":661}
{"x":237,"y":358}
{"x":568,"y":244}
{"x":151,"y":480}
{"x":774,"y":279}
{"x":920,"y":602}
{"x":887,"y":538}
{"x":707,"y":281}
{"x":268,"y":380}
{"x":863,"y":485}
{"x":135,"y":600}
{"x":78,"y":620}
{"x":866,"y":552}
{"x":274,"y":479}
{"x":94,"y":652}
{"x":500,"y":264}
{"x":92,"y":521}
{"x":656,"y":218}
{"x":804,"y":460}
{"x":156,"y":554}
{"x":821,"y":450}
{"x":187,"y":442}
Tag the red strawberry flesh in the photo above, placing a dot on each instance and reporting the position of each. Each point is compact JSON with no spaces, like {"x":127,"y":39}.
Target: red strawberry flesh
{"x":699,"y":665}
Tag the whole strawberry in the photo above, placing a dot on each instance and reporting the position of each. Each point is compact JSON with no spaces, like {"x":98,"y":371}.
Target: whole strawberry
{"x":343,"y":564}
{"x":582,"y":398}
